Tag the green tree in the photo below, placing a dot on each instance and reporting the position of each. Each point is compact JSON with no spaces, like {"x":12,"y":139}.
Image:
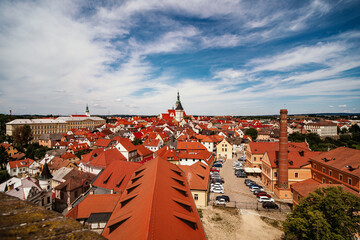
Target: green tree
{"x":4,"y":157}
{"x":252,"y":132}
{"x":327,"y":213}
{"x":82,"y":152}
{"x":137,"y":141}
{"x":22,"y":136}
{"x":35,"y":151}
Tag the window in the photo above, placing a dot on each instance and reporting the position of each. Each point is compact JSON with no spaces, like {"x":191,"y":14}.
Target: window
{"x":275,"y":174}
{"x":323,"y":170}
{"x":48,"y":199}
{"x":330,"y":182}
{"x":314,"y":166}
{"x":323,"y":180}
{"x":196,"y":197}
{"x":42,"y":202}
{"x":330,"y":172}
{"x":314,"y":176}
{"x":350,"y":181}
{"x":340,"y":177}
{"x":296,"y":175}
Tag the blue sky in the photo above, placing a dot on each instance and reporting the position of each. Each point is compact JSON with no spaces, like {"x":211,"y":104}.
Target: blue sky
{"x":225,"y":57}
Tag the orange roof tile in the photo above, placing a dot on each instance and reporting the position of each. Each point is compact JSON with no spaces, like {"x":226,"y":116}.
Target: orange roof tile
{"x":342,"y":158}
{"x":310,"y":185}
{"x":126,"y":143}
{"x":21,"y":163}
{"x":102,"y":142}
{"x":143,"y":151}
{"x":99,"y":203}
{"x":116,"y":175}
{"x":157,"y":204}
{"x":197,"y":175}
{"x":190,"y":146}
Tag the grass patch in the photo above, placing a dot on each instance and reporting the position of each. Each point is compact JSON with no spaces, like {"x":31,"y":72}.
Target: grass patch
{"x":217,"y":217}
{"x":200,"y":213}
{"x":230,"y":210}
{"x":272,"y":222}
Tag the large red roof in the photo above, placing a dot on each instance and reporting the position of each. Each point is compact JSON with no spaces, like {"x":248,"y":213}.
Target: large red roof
{"x":262,"y":147}
{"x":99,"y":203}
{"x":116,"y":175}
{"x":157,"y":204}
{"x":342,"y":158}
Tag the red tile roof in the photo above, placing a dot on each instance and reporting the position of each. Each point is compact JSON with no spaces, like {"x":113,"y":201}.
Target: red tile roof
{"x":106,"y":157}
{"x":99,"y":203}
{"x":143,"y":151}
{"x":190,"y":146}
{"x":102,"y":142}
{"x":116,"y":175}
{"x":157,"y":204}
{"x":262,"y":147}
{"x":197,"y":175}
{"x":68,"y":155}
{"x":21,"y":163}
{"x":305,"y":187}
{"x":295,"y":158}
{"x":166,"y":153}
{"x":151,"y":142}
{"x":126,"y":143}
{"x":342,"y":158}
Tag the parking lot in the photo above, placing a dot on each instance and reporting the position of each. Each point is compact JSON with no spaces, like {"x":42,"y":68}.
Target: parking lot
{"x":240,"y":195}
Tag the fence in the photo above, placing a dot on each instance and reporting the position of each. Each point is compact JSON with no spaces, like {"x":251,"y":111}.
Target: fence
{"x":283,"y":207}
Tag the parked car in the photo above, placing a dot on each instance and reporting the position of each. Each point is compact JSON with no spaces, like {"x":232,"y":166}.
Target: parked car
{"x":218,"y":165}
{"x":262,"y":194}
{"x":240,"y":174}
{"x":256,"y":188}
{"x":214,"y":170}
{"x":254,"y":185}
{"x":216,"y":185}
{"x":270,"y":205}
{"x":217,"y":180}
{"x":265,"y":199}
{"x":265,"y":195}
{"x":258,"y":191}
{"x":248,"y":181}
{"x":217,"y":190}
{"x":225,"y":197}
{"x":221,"y":201}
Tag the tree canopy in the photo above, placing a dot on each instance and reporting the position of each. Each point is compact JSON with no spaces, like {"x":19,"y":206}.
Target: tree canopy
{"x":252,"y":132}
{"x":327,"y":213}
{"x":22,"y":136}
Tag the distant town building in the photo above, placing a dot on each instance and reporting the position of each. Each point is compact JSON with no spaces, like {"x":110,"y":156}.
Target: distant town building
{"x":55,"y":125}
{"x":323,"y":128}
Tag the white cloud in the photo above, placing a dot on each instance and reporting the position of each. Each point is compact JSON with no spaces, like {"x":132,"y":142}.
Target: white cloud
{"x":293,"y":58}
{"x":342,"y":106}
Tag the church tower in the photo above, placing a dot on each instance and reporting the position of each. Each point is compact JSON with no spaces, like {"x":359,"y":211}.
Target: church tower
{"x":87,"y":112}
{"x":179,"y":111}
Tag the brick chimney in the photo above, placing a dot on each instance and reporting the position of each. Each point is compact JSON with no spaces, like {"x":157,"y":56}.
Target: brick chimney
{"x":283,"y":151}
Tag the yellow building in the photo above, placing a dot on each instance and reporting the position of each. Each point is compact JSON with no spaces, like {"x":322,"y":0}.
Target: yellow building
{"x":197,"y":176}
{"x":50,"y":125}
{"x":224,"y":149}
{"x":299,"y":167}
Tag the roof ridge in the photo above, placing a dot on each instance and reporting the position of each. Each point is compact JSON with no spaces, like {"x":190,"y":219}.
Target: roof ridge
{"x":153,"y":201}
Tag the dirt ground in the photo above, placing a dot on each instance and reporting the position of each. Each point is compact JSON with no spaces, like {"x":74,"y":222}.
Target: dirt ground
{"x":230,"y":223}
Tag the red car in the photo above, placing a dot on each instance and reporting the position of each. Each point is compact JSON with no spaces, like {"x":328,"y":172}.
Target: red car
{"x":263,"y":194}
{"x":214,"y":170}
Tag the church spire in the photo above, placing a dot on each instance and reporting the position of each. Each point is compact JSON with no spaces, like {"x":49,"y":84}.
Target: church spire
{"x":87,"y":112}
{"x":178,"y":103}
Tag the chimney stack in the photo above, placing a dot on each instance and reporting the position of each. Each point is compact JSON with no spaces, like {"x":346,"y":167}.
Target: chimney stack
{"x":283,"y":151}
